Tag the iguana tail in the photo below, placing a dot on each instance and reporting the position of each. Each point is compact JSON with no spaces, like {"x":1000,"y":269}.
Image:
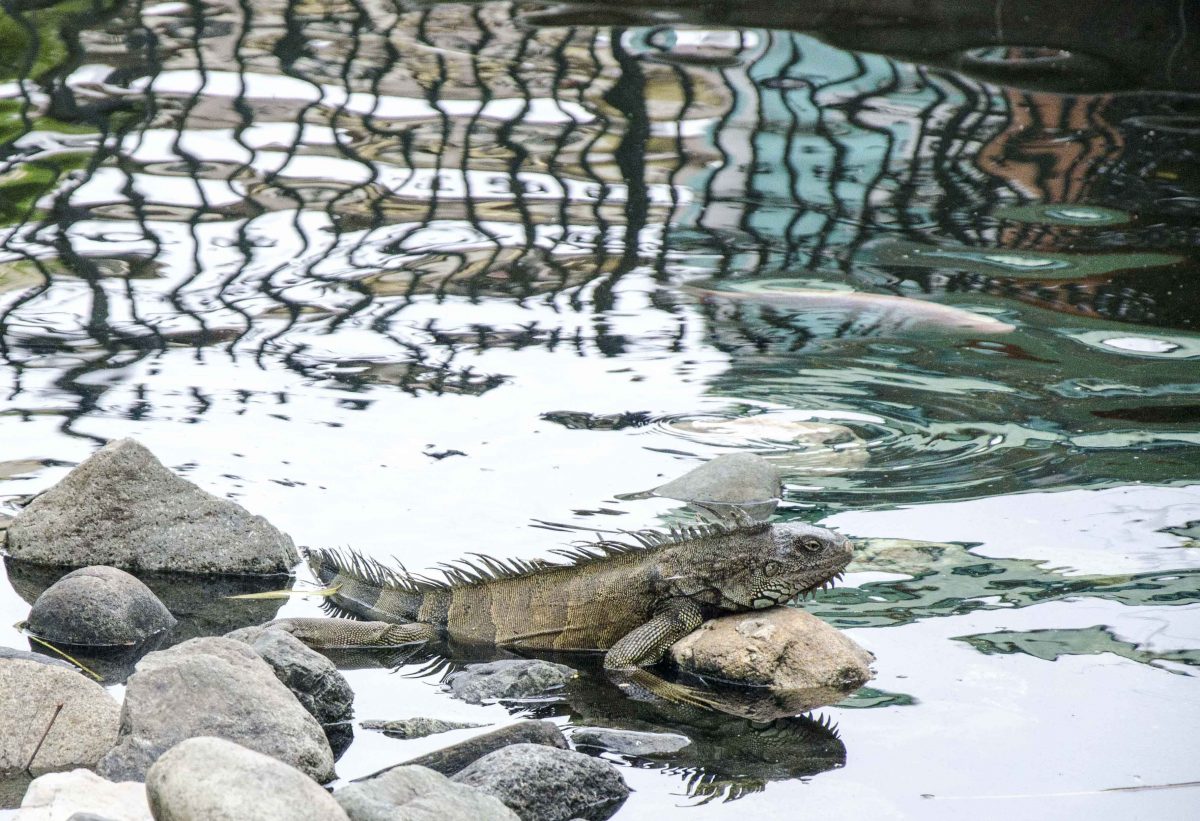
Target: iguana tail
{"x":365,"y":587}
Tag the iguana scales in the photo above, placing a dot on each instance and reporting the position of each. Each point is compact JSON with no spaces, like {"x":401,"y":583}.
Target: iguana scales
{"x":632,"y":599}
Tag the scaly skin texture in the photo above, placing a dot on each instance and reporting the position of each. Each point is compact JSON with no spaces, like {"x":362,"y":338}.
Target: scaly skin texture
{"x":632,"y":601}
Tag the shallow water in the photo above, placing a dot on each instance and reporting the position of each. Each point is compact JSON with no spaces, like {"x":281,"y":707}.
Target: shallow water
{"x":425,"y":279}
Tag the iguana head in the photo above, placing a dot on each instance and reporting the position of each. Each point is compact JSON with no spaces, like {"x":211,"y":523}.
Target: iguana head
{"x":790,"y":559}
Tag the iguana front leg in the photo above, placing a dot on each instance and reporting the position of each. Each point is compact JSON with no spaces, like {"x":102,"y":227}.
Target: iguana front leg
{"x":339,"y":633}
{"x":646,"y":644}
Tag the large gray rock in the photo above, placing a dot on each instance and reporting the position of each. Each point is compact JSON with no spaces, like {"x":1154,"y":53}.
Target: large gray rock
{"x":312,"y":678}
{"x":81,"y":793}
{"x":25,"y":655}
{"x":798,"y":660}
{"x":78,"y":734}
{"x":122,"y":507}
{"x":508,"y":679}
{"x":546,"y":784}
{"x":98,"y":606}
{"x":213,"y":687}
{"x":211,"y":779}
{"x":412,"y":793}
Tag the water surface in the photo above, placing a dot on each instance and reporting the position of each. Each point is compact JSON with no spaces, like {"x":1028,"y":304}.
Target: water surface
{"x":423,"y":279}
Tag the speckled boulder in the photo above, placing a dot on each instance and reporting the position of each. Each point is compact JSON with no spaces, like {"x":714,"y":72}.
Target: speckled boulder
{"x":211,"y":779}
{"x":98,"y":606}
{"x":213,"y":687}
{"x":542,"y":783}
{"x":312,"y":678}
{"x":418,"y":794}
{"x":122,"y":507}
{"x":508,"y":680}
{"x":79,"y":733}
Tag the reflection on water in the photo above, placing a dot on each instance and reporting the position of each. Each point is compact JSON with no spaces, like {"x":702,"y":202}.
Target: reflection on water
{"x":375,"y":267}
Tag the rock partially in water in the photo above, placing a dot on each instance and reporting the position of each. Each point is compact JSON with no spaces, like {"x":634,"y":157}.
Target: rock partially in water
{"x":450,"y":760}
{"x":794,"y":659}
{"x":76,"y":735}
{"x":508,"y":680}
{"x":312,"y":678}
{"x":199,"y":603}
{"x":546,"y":784}
{"x":99,"y":607}
{"x":630,"y":742}
{"x":742,"y":481}
{"x":213,"y":687}
{"x":122,"y":507}
{"x":81,"y":794}
{"x":413,"y":793}
{"x":212,"y":778}
{"x":418,"y":727}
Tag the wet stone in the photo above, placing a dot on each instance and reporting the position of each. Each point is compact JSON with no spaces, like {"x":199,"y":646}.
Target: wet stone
{"x":213,"y":687}
{"x":416,"y":727}
{"x":212,"y":778}
{"x":796,"y":658}
{"x":99,"y":607}
{"x":81,"y":795}
{"x":412,"y":793}
{"x":78,"y":734}
{"x":546,"y":784}
{"x":449,"y":760}
{"x":122,"y":507}
{"x":508,"y":680}
{"x":629,"y":742}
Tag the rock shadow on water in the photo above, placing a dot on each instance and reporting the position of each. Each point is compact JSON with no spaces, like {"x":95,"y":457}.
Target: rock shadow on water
{"x":200,"y":605}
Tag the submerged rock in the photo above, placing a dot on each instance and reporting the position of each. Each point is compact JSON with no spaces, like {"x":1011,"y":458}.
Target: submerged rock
{"x":81,"y":794}
{"x":122,"y":507}
{"x":98,"y":607}
{"x":416,"y":727}
{"x":76,"y":735}
{"x":508,"y":679}
{"x":630,"y":742}
{"x":796,"y":658}
{"x":413,"y":793}
{"x":449,"y":760}
{"x":313,"y":679}
{"x":213,"y":687}
{"x":546,"y":784}
{"x":742,"y":481}
{"x":211,"y":778}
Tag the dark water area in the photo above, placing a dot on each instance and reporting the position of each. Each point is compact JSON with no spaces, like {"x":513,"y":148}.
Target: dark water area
{"x":425,"y":279}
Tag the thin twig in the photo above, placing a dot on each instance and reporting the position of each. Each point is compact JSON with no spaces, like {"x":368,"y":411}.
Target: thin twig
{"x":42,"y":740}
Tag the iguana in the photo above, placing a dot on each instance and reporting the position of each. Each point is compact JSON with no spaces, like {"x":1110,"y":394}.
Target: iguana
{"x":631,"y":599}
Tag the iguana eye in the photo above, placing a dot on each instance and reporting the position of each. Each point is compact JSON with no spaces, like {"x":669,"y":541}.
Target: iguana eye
{"x":772,"y":568}
{"x":811,"y":545}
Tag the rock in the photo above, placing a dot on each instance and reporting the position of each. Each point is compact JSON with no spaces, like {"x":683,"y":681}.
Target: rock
{"x":199,"y":603}
{"x":743,"y":481}
{"x":311,"y":677}
{"x":79,"y":734}
{"x":799,"y":659}
{"x":25,"y":655}
{"x":449,"y":760}
{"x":411,"y":793}
{"x":122,"y":507}
{"x":213,"y":687}
{"x":83,"y":794}
{"x":546,"y":784}
{"x":98,"y":606}
{"x":508,"y":679}
{"x":416,"y":727}
{"x":630,"y":742}
{"x":210,"y":778}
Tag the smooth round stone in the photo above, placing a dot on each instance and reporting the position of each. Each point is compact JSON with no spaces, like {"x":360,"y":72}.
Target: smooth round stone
{"x":98,"y":607}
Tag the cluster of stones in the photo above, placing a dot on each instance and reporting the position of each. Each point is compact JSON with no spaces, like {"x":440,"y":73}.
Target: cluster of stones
{"x":255,"y":719}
